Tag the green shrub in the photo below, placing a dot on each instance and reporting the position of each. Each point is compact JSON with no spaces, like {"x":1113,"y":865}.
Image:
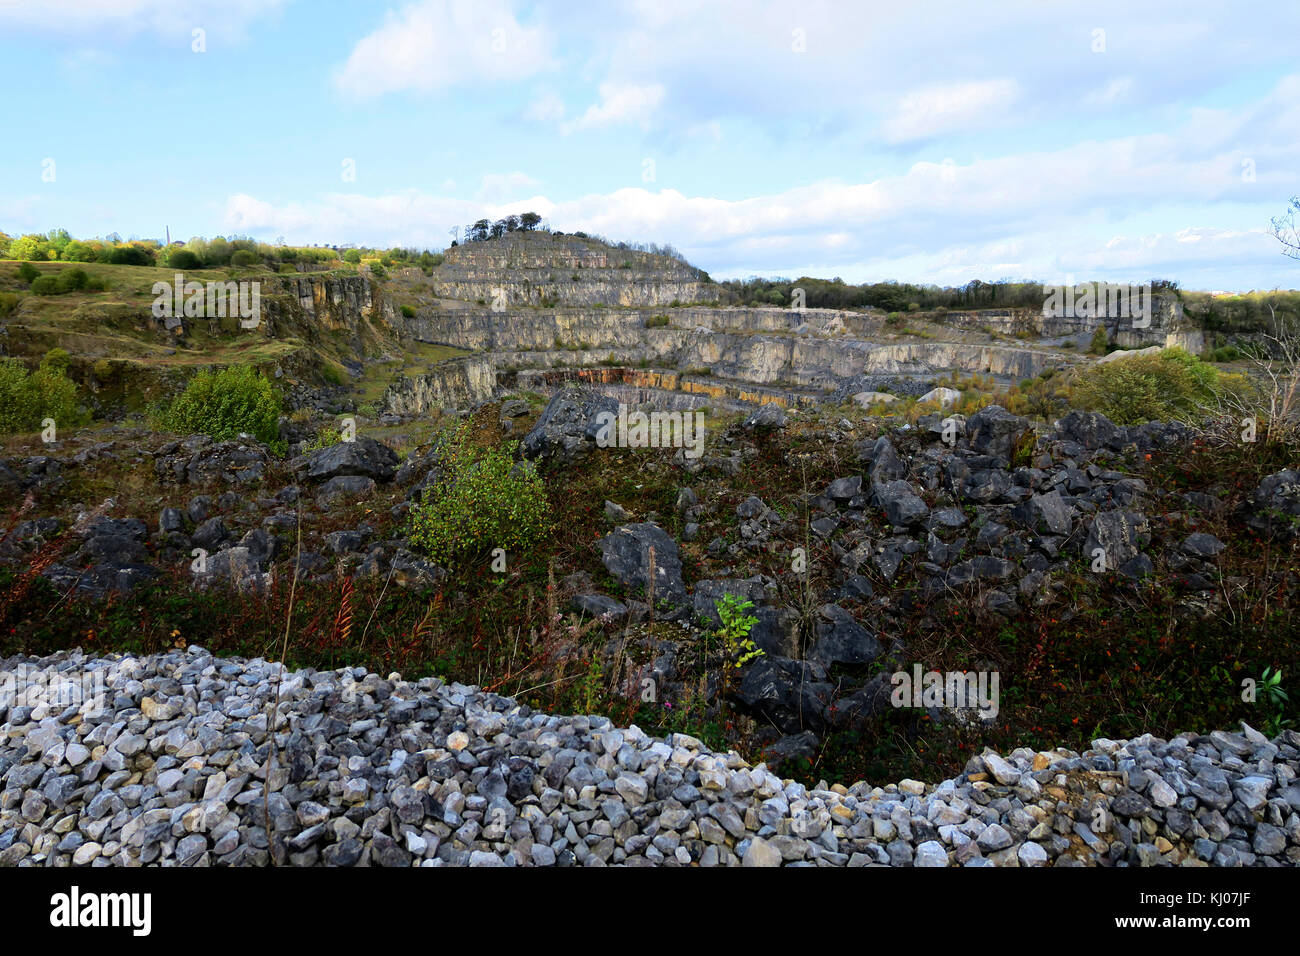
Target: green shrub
{"x":737,"y":622}
{"x":78,"y":251}
{"x":57,"y":360}
{"x":325,"y":437}
{"x":131,"y":256}
{"x":28,"y":272}
{"x":408,"y":311}
{"x":26,"y":399}
{"x":184,"y":259}
{"x":244,"y":258}
{"x":1164,"y":386}
{"x":68,"y":280}
{"x":485,"y":501}
{"x":378,"y":271}
{"x":33,"y":248}
{"x":9,"y":303}
{"x":225,"y":403}
{"x":74,"y":280}
{"x":1100,"y":341}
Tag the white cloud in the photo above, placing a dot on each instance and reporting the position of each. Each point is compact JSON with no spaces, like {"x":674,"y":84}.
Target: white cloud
{"x":1040,"y":214}
{"x":619,"y":103}
{"x":934,"y":110}
{"x":433,"y":45}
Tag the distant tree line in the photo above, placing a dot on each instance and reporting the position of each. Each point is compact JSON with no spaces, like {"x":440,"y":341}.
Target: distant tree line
{"x":1270,"y":312}
{"x":58,"y":246}
{"x":219,"y":252}
{"x":483,"y":229}
{"x":896,"y":296}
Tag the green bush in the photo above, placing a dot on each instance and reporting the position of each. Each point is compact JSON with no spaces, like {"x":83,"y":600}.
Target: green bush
{"x":244,"y":258}
{"x":1100,"y":341}
{"x":28,"y":272}
{"x":69,"y":280}
{"x":1164,"y":386}
{"x":9,"y":303}
{"x":485,"y":501}
{"x":184,"y":259}
{"x":408,"y":311}
{"x":325,"y":437}
{"x":131,"y":256}
{"x":78,"y":251}
{"x":33,"y":248}
{"x":378,"y":271}
{"x":57,"y":360}
{"x":26,"y":399}
{"x":225,"y":403}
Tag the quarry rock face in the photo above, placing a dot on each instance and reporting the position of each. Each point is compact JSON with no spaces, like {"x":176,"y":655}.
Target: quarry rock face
{"x":463,"y":383}
{"x":536,"y":269}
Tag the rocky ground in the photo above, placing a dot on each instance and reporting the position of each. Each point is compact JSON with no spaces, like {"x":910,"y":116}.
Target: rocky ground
{"x":169,"y":767}
{"x":990,"y":513}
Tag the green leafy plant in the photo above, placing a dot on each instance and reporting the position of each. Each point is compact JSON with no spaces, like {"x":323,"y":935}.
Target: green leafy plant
{"x":184,"y":259}
{"x":69,"y":280}
{"x":737,"y":622}
{"x":27,"y":399}
{"x":1167,"y":385}
{"x":485,"y":501}
{"x":591,"y":685}
{"x":1100,"y":341}
{"x":325,"y":437}
{"x":225,"y":403}
{"x":1275,"y":696}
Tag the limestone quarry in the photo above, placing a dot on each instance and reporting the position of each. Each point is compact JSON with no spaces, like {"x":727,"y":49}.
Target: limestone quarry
{"x":645,"y":323}
{"x":873,"y":494}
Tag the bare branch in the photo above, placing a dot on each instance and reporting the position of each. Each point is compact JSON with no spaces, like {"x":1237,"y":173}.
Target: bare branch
{"x":1286,"y":231}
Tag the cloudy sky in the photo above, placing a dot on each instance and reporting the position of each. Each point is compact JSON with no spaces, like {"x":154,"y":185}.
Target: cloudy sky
{"x":934,"y":142}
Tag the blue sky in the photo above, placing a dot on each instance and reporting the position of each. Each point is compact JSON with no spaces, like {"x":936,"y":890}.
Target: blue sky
{"x":934,"y":142}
